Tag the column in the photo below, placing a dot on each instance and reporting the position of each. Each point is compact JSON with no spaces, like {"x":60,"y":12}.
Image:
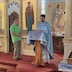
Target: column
{"x":6,"y":27}
{"x":68,"y":30}
{"x":68,"y":18}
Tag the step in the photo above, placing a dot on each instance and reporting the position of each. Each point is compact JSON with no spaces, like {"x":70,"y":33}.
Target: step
{"x":9,"y":64}
{"x":9,"y":68}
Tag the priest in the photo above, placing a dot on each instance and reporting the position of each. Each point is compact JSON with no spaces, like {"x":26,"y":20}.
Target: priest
{"x":47,"y":50}
{"x":43,"y":45}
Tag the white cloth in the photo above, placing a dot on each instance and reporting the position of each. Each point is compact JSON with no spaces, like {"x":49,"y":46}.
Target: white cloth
{"x":45,"y":55}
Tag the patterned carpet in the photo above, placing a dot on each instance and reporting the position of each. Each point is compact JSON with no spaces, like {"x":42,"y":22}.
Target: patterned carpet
{"x":25,"y":65}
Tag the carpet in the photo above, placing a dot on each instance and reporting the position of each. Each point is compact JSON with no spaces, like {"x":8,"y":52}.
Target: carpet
{"x":6,"y":59}
{"x":3,"y":70}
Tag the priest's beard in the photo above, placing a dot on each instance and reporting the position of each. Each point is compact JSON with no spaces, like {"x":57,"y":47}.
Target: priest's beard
{"x":42,"y":21}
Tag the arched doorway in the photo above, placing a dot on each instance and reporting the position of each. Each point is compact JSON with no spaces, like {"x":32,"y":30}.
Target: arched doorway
{"x":11,"y":17}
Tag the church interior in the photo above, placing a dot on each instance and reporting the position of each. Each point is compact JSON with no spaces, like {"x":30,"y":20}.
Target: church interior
{"x":58,"y":14}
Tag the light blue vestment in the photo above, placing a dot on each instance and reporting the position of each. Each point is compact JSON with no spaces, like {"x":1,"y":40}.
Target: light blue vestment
{"x":47,"y":29}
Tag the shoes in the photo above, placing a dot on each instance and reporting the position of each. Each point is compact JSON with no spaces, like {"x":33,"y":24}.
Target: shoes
{"x":46,"y":63}
{"x":17,"y":59}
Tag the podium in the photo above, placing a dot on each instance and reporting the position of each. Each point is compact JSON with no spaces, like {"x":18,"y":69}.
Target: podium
{"x":38,"y":38}
{"x":38,"y":57}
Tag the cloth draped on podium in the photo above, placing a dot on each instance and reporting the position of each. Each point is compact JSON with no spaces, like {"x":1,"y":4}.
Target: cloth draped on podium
{"x":36,"y":35}
{"x":42,"y":37}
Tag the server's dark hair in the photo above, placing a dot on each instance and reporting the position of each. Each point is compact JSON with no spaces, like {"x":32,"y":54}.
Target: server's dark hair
{"x":15,"y":18}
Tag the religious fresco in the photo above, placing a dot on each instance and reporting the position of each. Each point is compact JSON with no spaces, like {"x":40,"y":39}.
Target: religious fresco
{"x":57,"y":16}
{"x":29,"y":15}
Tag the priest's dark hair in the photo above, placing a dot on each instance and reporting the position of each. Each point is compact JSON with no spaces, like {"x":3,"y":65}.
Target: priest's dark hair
{"x":29,"y":2}
{"x":43,"y":15}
